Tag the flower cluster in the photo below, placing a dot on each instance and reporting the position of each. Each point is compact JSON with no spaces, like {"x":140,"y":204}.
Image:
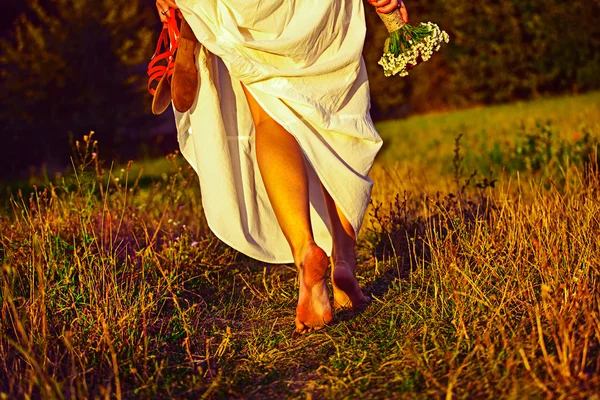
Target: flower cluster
{"x":410,"y":45}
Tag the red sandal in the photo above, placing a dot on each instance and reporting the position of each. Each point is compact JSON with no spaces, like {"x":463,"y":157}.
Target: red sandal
{"x":160,"y":67}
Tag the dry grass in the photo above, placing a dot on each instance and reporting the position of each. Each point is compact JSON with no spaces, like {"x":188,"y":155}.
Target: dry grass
{"x":112,"y":290}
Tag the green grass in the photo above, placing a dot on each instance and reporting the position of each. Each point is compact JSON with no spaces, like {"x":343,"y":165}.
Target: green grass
{"x":116,"y":287}
{"x":428,"y":141}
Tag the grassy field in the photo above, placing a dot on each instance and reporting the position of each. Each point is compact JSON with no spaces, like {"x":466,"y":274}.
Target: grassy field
{"x":483,"y":284}
{"x":423,"y":146}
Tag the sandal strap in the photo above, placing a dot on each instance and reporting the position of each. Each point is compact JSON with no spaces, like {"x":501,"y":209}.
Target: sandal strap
{"x":167,"y":44}
{"x":156,"y":73}
{"x":153,"y":67}
{"x":173,"y":31}
{"x":163,"y":42}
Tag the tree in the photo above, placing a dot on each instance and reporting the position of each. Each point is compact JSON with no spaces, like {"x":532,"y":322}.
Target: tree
{"x":498,"y":52}
{"x":68,"y":67}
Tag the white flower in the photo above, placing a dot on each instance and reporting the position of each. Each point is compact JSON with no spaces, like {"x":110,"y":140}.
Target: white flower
{"x":393,"y":65}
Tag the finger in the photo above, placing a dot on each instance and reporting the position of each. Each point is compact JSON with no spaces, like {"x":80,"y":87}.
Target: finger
{"x":379,"y":3}
{"x":161,"y":6}
{"x":388,"y":8}
{"x":403,"y":12}
{"x":165,"y":4}
{"x":170,"y":4}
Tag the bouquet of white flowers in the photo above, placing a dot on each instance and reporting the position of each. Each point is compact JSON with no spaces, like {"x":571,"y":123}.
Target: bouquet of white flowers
{"x":408,"y":45}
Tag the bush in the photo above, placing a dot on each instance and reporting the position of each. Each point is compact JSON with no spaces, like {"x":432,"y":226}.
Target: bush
{"x":544,"y":154}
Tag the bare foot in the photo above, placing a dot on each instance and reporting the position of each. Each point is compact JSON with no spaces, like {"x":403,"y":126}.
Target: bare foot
{"x":314,"y":309}
{"x":346,"y":290}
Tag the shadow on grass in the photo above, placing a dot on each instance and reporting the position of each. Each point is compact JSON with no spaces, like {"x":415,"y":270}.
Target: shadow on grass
{"x":406,"y":231}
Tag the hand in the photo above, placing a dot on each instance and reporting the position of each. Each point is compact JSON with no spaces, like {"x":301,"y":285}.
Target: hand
{"x":162,"y":5}
{"x":387,"y":6}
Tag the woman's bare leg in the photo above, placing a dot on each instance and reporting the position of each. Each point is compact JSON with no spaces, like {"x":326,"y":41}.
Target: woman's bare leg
{"x":346,"y":290}
{"x":282,"y":167}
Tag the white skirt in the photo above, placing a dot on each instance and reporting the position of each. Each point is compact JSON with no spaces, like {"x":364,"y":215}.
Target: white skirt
{"x":301,"y":60}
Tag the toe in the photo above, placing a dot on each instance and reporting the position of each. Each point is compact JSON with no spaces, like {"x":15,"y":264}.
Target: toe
{"x":303,"y":328}
{"x":300,"y":327}
{"x":342,"y":306}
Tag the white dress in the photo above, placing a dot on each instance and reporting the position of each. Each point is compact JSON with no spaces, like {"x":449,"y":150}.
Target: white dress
{"x":301,"y":60}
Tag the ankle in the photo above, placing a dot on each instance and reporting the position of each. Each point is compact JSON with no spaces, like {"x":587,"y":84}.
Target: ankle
{"x":299,"y":251}
{"x":343,"y":254}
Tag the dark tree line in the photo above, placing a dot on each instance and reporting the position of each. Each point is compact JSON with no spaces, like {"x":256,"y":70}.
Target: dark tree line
{"x":499,"y":51}
{"x":68,"y":67}
{"x":71,"y":66}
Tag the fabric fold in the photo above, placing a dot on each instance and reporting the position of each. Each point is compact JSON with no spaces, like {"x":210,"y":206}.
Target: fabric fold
{"x":301,"y":61}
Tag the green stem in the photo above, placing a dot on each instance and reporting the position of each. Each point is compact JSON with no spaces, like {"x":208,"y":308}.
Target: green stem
{"x":399,"y":40}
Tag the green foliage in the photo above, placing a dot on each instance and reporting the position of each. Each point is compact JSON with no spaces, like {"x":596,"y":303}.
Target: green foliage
{"x":498,"y":52}
{"x":69,"y":67}
{"x":427,"y":141}
{"x":544,"y":153}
